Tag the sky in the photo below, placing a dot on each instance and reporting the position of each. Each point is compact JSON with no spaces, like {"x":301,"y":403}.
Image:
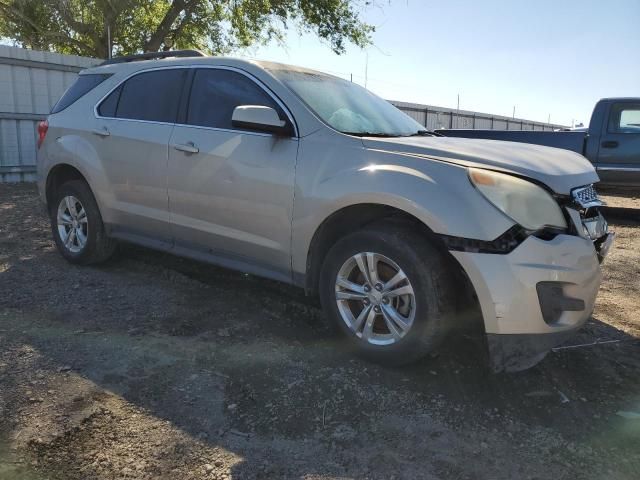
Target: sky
{"x":545,"y":57}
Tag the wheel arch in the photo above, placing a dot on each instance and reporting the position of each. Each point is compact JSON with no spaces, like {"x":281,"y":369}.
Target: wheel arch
{"x":354,"y":217}
{"x":57,"y":176}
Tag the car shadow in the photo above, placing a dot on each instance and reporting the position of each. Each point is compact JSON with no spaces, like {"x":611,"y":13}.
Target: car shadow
{"x":264,"y":365}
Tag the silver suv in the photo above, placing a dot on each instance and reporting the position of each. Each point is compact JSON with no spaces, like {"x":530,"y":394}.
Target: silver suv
{"x":309,"y":179}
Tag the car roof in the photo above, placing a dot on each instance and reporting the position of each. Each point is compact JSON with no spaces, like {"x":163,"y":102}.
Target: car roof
{"x":243,"y":63}
{"x":620,"y":99}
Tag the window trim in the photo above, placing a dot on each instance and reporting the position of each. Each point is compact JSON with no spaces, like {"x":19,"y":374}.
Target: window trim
{"x":189,"y":78}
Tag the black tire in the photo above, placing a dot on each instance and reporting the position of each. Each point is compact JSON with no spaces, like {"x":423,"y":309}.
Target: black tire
{"x":98,"y":247}
{"x":429,"y":272}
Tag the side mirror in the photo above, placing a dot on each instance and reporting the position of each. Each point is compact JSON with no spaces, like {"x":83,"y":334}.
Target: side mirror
{"x":257,"y":117}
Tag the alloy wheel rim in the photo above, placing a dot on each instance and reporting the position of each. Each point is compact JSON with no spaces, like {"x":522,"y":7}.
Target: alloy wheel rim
{"x":375,"y":298}
{"x":73,"y":226}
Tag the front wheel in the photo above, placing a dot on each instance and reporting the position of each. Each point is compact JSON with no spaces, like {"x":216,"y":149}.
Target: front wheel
{"x":389,"y":291}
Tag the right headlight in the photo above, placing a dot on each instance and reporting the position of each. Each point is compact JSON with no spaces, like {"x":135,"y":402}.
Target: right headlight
{"x":524,"y":202}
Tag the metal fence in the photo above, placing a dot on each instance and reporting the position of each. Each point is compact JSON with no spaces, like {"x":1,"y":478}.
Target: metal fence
{"x":31,"y":82}
{"x":438,"y":117}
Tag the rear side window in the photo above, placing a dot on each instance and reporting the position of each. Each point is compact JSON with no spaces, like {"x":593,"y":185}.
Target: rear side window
{"x":109,"y":105}
{"x":83,"y":85}
{"x":624,"y":118}
{"x":216,"y":93}
{"x":152,"y":96}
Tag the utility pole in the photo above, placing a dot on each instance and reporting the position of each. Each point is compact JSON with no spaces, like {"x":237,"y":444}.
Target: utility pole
{"x":352,"y":78}
{"x":108,"y":41}
{"x":549,"y":120}
{"x":458,"y":111}
{"x":366,"y":69}
{"x":514,"y":112}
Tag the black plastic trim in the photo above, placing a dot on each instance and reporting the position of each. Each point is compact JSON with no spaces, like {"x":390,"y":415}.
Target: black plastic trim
{"x":553,"y":301}
{"x":516,"y":352}
{"x":502,"y":245}
{"x":505,"y":243}
{"x":154,"y":56}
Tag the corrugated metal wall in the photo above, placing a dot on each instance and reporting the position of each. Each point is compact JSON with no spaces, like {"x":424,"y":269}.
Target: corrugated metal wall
{"x":30,"y":83}
{"x":438,"y":117}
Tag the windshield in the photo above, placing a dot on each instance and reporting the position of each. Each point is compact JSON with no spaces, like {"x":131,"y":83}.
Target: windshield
{"x":348,"y":107}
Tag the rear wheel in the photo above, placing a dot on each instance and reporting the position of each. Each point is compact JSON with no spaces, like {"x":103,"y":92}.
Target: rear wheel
{"x":77,"y":225}
{"x":389,"y":291}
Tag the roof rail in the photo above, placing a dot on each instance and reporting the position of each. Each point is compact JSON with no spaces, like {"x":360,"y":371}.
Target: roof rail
{"x":154,"y":55}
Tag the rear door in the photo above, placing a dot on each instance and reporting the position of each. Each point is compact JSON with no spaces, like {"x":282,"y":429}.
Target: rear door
{"x":231,"y":190}
{"x":619,"y":150}
{"x":135,"y":122}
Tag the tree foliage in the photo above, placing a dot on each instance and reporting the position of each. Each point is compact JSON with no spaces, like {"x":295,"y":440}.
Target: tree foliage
{"x":216,"y":26}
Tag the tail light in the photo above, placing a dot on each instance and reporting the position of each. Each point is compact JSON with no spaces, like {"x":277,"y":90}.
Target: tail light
{"x":43,"y":126}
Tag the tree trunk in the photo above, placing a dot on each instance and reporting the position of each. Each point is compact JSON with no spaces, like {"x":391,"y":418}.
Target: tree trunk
{"x":158,"y":37}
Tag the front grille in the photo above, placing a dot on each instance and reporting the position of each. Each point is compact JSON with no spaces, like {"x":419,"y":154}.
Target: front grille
{"x":587,"y":219}
{"x":586,"y":197}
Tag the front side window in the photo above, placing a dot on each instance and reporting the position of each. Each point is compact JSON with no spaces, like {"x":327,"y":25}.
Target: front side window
{"x":624,"y":118}
{"x":215,"y":93}
{"x":346,"y":106}
{"x":152,"y":96}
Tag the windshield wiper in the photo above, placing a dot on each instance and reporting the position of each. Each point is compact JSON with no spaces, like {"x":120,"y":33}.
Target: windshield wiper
{"x":425,"y":133}
{"x":370,"y":134}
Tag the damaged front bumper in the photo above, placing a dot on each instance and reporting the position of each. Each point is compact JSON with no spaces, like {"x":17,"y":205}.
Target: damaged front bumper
{"x":533,"y":298}
{"x":538,"y":295}
{"x":516,"y":352}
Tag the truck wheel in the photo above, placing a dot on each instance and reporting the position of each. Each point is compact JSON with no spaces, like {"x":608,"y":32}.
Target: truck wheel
{"x":77,"y":225}
{"x":389,"y":291}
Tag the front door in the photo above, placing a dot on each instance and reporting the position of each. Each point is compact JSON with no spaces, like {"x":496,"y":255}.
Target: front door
{"x":231,"y":190}
{"x":619,"y":151}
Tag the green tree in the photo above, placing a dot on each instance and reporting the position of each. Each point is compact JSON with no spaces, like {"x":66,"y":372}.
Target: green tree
{"x":216,"y":26}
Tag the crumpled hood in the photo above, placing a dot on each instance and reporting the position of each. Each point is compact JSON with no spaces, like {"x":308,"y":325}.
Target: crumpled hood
{"x":561,"y":170}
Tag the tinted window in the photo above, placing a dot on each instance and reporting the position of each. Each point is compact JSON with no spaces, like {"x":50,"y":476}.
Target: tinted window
{"x":625,"y":118}
{"x":109,"y":105}
{"x":150,"y":96}
{"x":83,"y":85}
{"x":216,"y":93}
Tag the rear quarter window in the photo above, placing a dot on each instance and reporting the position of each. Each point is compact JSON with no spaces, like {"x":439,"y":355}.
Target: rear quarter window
{"x":83,"y":85}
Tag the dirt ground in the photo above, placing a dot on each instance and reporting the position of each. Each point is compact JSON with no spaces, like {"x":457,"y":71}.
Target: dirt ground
{"x":154,"y":367}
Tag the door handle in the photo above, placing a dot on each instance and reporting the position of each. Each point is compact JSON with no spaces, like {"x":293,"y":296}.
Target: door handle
{"x":188,"y":147}
{"x":103,"y":132}
{"x":609,"y":144}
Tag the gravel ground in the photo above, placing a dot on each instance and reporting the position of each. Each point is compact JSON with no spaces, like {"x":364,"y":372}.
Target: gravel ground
{"x":154,"y":367}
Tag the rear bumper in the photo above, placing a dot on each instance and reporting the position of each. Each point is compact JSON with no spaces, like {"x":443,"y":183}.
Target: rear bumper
{"x":518,"y":332}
